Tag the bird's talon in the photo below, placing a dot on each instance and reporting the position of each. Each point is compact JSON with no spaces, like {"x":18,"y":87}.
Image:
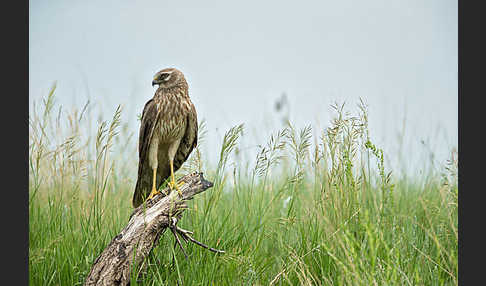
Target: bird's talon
{"x":173,"y":185}
{"x":153,"y":194}
{"x":177,"y":186}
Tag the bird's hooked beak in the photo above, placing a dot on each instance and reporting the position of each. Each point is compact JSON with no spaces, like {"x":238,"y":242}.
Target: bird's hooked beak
{"x":154,"y":82}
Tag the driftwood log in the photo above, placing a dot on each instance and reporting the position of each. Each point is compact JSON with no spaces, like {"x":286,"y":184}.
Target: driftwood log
{"x":145,"y":226}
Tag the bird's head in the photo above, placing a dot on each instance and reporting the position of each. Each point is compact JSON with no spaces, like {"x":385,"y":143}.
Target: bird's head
{"x":168,"y":78}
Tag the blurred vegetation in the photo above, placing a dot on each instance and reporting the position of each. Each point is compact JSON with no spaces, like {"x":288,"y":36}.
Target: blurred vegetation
{"x":306,"y":211}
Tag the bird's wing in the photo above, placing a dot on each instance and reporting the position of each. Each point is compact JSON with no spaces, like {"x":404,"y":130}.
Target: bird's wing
{"x":189,"y":140}
{"x":149,"y":118}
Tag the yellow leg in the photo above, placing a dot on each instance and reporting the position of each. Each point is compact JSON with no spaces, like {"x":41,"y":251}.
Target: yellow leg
{"x":172,"y":182}
{"x":154,"y":190}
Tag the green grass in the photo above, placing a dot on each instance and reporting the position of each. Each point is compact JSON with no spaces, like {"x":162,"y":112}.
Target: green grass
{"x":306,"y":211}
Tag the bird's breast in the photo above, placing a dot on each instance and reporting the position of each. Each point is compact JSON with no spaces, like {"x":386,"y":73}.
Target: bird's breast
{"x":171,"y":129}
{"x":172,"y":121}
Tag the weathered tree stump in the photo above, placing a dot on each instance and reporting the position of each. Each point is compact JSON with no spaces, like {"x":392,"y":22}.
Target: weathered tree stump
{"x":146,"y":224}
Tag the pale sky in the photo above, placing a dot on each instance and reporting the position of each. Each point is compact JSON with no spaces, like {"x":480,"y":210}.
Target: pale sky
{"x":400,"y":57}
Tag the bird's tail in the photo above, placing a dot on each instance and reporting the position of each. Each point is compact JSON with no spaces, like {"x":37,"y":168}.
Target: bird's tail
{"x":139,"y":195}
{"x":144,"y":185}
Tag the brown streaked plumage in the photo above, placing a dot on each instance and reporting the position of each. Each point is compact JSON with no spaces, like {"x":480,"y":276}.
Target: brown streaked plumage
{"x":168,"y":132}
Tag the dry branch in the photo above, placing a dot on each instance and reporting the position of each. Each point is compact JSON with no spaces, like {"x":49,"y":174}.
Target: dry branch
{"x":147,"y":222}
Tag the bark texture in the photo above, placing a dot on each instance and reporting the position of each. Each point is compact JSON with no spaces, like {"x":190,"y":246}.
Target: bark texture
{"x":141,"y":234}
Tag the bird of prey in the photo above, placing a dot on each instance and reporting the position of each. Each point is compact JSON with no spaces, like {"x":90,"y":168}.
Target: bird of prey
{"x":168,"y":134}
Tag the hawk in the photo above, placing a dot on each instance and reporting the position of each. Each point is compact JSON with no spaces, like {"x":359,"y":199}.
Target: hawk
{"x":168,"y":134}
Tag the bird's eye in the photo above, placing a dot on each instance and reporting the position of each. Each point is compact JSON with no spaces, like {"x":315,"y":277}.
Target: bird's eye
{"x":165,"y":76}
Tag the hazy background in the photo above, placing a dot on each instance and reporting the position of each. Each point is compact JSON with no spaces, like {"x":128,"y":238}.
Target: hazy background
{"x":400,"y":57}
